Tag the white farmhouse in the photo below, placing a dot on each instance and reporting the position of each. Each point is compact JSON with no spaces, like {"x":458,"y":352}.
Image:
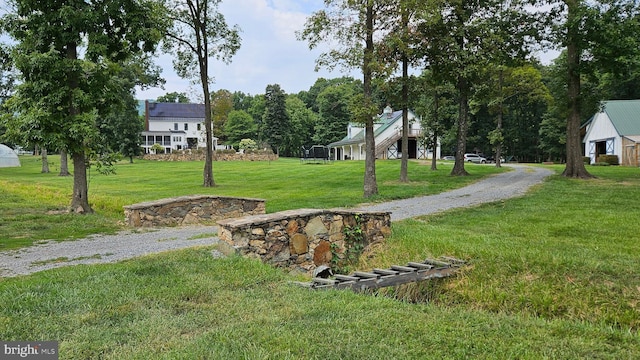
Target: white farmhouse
{"x":175,"y":126}
{"x":388,"y":137}
{"x":615,"y":130}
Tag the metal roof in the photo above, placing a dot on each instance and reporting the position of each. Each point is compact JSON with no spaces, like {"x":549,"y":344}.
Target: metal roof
{"x":624,"y":115}
{"x":359,"y":137}
{"x":176,"y":110}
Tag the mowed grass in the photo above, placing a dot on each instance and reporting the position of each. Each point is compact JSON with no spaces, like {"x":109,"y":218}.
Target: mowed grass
{"x":32,"y":205}
{"x":553,"y":274}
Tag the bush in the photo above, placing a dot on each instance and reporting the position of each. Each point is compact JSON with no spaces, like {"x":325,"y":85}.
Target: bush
{"x":157,"y":148}
{"x":248,"y":144}
{"x":586,"y":160}
{"x":609,"y":159}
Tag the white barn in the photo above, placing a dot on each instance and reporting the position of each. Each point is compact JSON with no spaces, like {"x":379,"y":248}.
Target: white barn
{"x":388,"y":137}
{"x":615,"y":130}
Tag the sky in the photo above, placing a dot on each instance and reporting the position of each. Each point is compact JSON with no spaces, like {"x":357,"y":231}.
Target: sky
{"x":269,"y":52}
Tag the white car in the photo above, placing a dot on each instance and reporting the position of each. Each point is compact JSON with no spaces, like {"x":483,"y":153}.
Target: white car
{"x":474,"y":158}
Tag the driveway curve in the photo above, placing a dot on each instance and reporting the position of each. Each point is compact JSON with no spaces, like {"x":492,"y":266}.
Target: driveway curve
{"x":130,"y":244}
{"x":494,"y":188}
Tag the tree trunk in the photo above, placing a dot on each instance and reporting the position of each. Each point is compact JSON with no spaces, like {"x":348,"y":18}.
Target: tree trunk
{"x":575,"y":165}
{"x":45,"y":161}
{"x":370,"y":182}
{"x":80,"y":199}
{"x":64,"y":164}
{"x":405,"y":101}
{"x":463,"y":115}
{"x":435,"y":120}
{"x":499,"y":121}
{"x":434,"y":141}
{"x":208,"y":121}
{"x":208,"y":163}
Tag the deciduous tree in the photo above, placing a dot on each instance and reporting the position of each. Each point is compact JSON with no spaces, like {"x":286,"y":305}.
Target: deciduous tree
{"x":239,"y":125}
{"x":67,"y":52}
{"x":200,"y":32}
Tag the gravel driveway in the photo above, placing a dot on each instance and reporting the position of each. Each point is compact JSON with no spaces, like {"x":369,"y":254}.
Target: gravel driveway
{"x":130,"y":244}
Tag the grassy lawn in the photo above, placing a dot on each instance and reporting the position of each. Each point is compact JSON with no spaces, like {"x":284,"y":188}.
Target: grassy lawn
{"x":553,"y":274}
{"x":32,"y":204}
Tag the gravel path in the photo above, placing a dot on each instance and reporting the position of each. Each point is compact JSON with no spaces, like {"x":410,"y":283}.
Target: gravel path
{"x":130,"y":244}
{"x":498,"y":187}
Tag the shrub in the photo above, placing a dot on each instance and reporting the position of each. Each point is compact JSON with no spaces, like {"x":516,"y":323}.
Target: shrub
{"x":157,"y":148}
{"x":586,"y":160}
{"x":609,"y":159}
{"x":248,"y":144}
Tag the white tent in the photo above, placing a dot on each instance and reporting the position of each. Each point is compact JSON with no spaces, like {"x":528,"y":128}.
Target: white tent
{"x":8,"y":157}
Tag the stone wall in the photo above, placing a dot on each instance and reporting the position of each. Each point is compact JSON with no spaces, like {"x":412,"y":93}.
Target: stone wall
{"x":301,"y":239}
{"x":199,"y":155}
{"x":186,"y":210}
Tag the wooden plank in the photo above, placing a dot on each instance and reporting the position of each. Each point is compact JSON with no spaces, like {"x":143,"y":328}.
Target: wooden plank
{"x":385,"y":272}
{"x":420,"y":266}
{"x":399,"y":279}
{"x":437,"y":263}
{"x":324,"y":281}
{"x":346,"y":278}
{"x":365,"y":275}
{"x":403,"y":268}
{"x":452,"y":260}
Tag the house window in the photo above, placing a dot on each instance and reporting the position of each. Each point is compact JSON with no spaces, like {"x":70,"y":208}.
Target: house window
{"x":199,"y":126}
{"x":175,"y":126}
{"x":186,"y":126}
{"x":167,"y":140}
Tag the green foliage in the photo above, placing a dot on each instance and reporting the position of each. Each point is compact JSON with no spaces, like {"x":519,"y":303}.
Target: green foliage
{"x":199,"y":22}
{"x":334,"y":113}
{"x":344,"y":261}
{"x":75,"y":67}
{"x":173,"y":97}
{"x":239,"y":125}
{"x":302,"y":121}
{"x":248,"y":144}
{"x":608,"y":159}
{"x":157,"y":148}
{"x":221,"y":105}
{"x":276,"y":121}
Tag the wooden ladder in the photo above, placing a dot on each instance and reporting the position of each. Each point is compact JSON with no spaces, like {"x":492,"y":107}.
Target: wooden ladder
{"x":396,"y":275}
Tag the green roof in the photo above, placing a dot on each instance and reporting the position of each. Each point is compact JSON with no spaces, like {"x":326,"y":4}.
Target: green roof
{"x":624,"y":115}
